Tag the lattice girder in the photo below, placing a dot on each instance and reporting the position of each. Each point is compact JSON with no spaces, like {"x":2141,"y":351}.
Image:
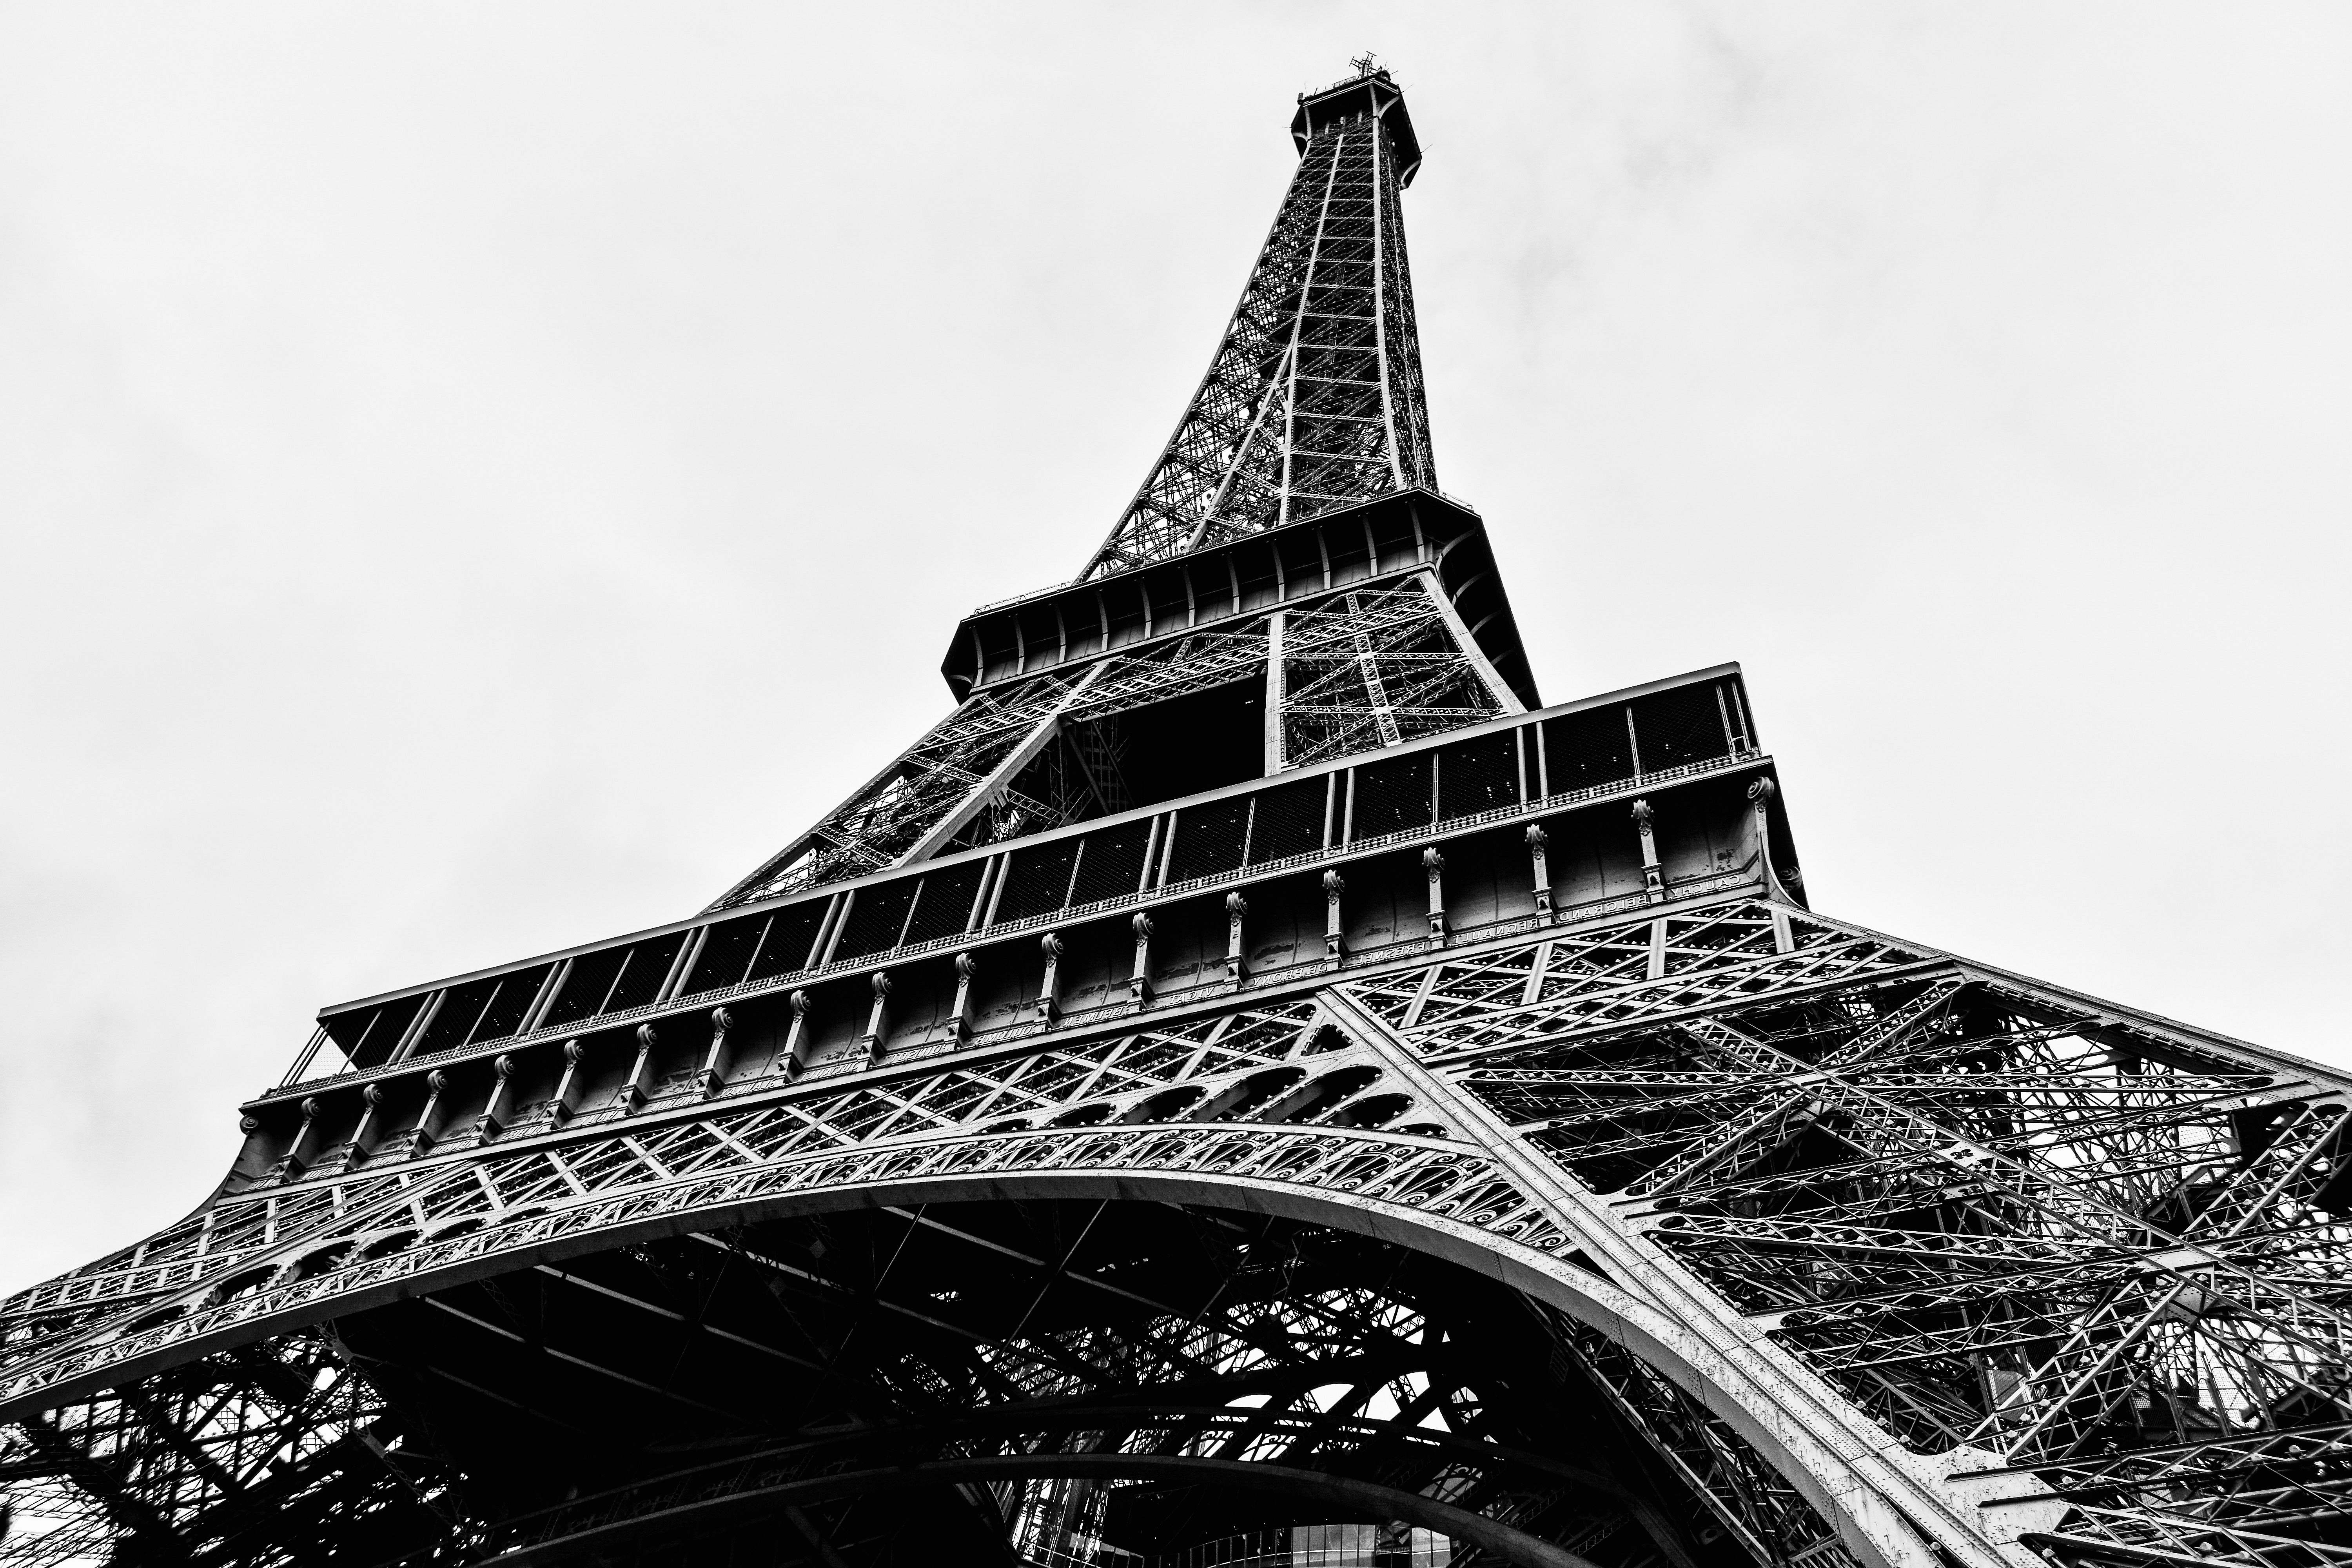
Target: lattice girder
{"x":1314,"y":397}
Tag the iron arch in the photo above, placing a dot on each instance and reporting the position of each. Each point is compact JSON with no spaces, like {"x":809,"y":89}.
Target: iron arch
{"x":1445,"y":1201}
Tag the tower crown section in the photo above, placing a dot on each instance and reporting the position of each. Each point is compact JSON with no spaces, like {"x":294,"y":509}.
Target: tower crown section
{"x":1370,"y":96}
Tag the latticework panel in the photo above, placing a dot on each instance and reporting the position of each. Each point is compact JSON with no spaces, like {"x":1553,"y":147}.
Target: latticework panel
{"x":1360,"y":670}
{"x":1366,"y":671}
{"x":1314,"y":399}
{"x":2002,"y":1221}
{"x":890,"y":813}
{"x":253,"y":1455}
{"x":2090,"y":1263}
{"x":1726,"y":1473}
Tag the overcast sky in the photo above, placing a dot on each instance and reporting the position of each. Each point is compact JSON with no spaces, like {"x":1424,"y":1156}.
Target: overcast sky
{"x":478,"y":478}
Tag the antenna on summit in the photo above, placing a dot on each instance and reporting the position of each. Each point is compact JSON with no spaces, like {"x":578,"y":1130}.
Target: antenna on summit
{"x":1366,"y":63}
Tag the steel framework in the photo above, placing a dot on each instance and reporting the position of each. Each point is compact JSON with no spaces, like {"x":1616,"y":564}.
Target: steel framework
{"x":1446,"y":1135}
{"x":1314,"y":399}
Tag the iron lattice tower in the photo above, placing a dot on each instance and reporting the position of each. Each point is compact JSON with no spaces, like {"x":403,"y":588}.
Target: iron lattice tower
{"x":1251,"y":1085}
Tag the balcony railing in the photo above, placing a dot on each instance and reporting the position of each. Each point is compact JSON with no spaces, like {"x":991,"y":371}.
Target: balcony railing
{"x":1440,"y":787}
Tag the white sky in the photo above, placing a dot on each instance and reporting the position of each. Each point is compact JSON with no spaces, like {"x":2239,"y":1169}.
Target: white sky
{"x":477,"y":479}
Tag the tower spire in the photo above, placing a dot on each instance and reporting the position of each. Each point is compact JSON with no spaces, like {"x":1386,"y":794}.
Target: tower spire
{"x":1314,"y":399}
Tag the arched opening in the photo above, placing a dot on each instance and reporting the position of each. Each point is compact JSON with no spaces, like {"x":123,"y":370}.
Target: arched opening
{"x":1070,"y":1381}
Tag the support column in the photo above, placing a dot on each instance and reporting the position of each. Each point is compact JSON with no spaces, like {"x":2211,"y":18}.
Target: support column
{"x":713,"y":1076}
{"x":1653,"y":880}
{"x":293,"y":1163}
{"x":1236,"y":907}
{"x":420,"y":1137}
{"x":492,"y":1121}
{"x":1274,"y":629}
{"x":633,"y":1092}
{"x":1759,"y":797}
{"x":1049,"y":1006}
{"x":794,"y":1060}
{"x":559,"y":1109}
{"x":1335,"y":932}
{"x":354,"y":1150}
{"x":1432,"y":865}
{"x":1138,"y":983}
{"x":877,"y":1019}
{"x":1879,"y":1502}
{"x":959,"y":1024}
{"x":1536,"y":842}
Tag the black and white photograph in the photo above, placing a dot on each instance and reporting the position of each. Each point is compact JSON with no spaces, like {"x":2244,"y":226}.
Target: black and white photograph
{"x":804,"y":786}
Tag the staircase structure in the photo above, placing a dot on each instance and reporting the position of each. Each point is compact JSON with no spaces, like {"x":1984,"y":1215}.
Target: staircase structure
{"x":1253,"y":1084}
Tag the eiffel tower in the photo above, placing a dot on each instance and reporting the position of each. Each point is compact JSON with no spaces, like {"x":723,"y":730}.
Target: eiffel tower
{"x":1252,"y":1085}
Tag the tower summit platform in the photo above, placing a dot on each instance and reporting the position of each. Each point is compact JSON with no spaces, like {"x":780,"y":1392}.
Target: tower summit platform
{"x":1369,"y":94}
